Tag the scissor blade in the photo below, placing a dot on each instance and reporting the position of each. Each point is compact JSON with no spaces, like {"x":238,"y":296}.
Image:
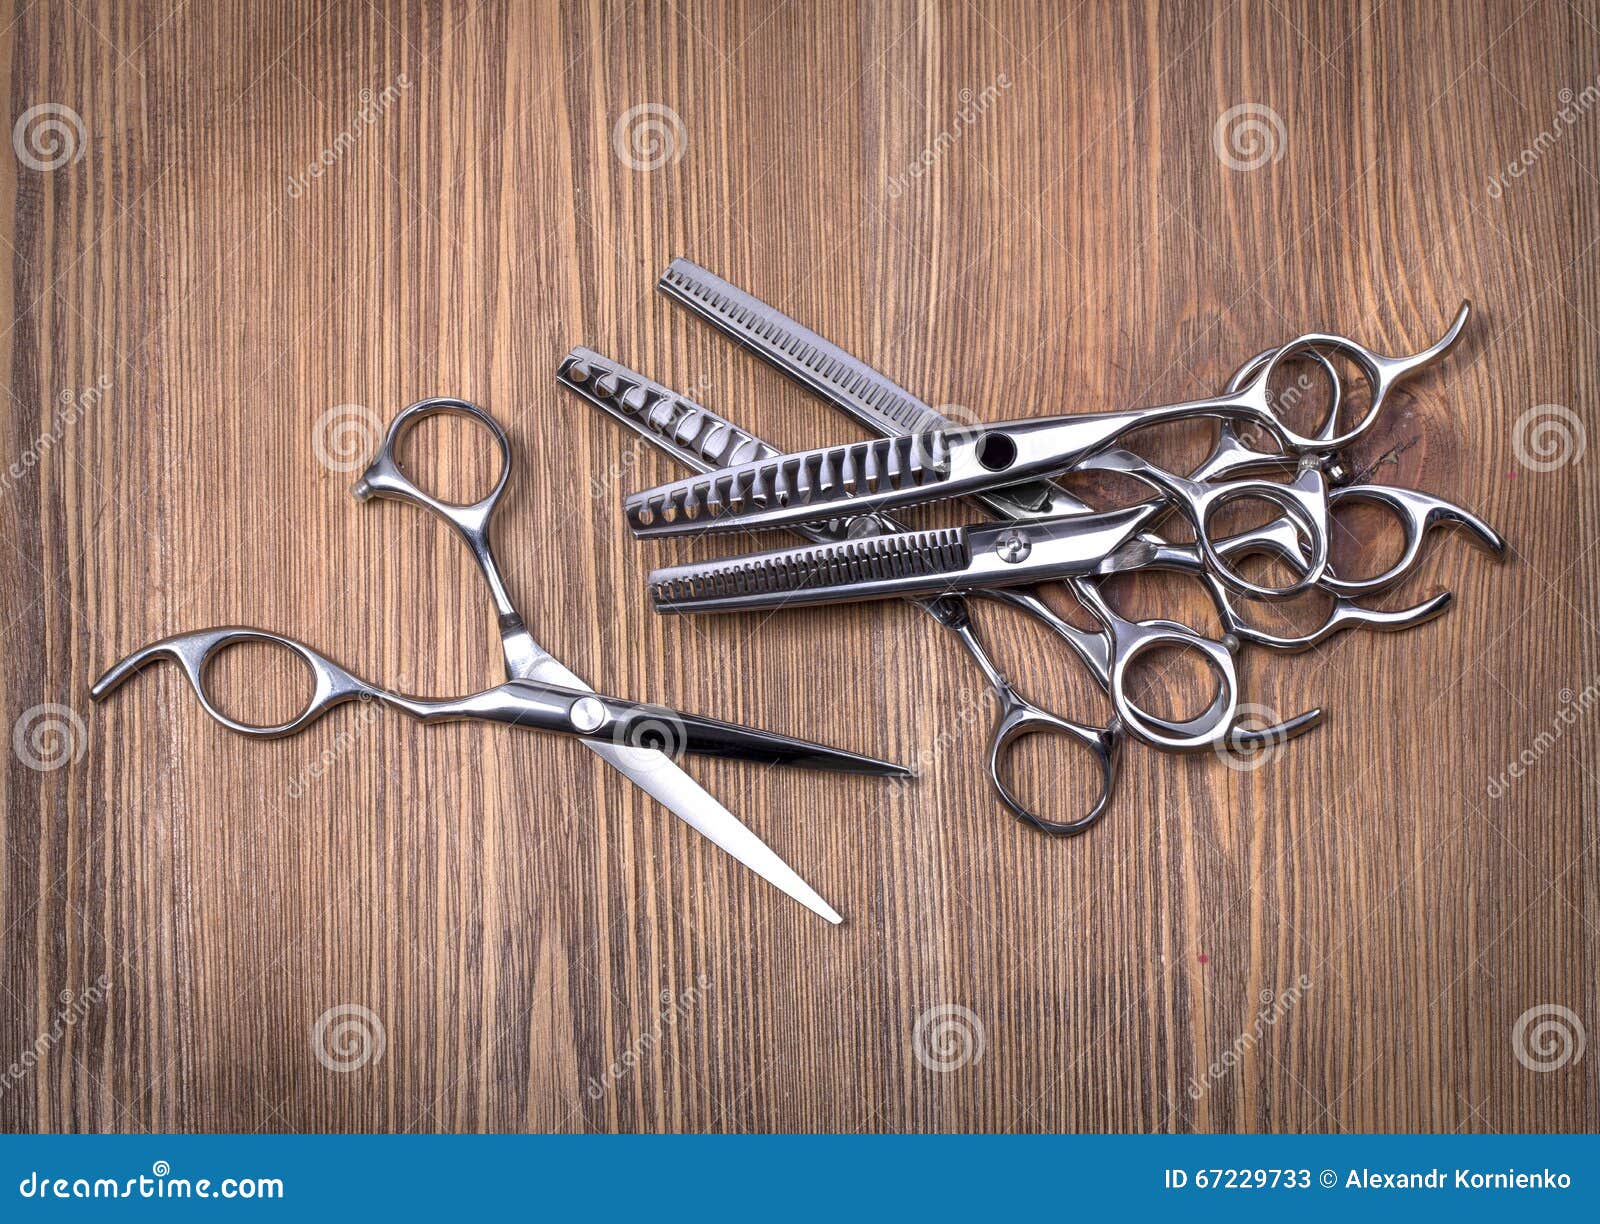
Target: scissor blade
{"x":816,"y":364}
{"x":661,"y":777}
{"x":688,"y":431}
{"x":713,"y":737}
{"x":837,"y":377}
{"x":908,"y":563}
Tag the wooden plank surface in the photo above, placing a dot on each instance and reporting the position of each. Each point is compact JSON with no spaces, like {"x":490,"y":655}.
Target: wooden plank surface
{"x":1014,"y":208}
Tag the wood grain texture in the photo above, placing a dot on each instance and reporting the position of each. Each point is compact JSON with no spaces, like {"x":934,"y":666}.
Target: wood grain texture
{"x":510,"y":911}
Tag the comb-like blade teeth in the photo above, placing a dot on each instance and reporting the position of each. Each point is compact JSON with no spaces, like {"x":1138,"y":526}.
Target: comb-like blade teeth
{"x":683,"y":427}
{"x":801,"y":571}
{"x":799,"y":352}
{"x":810,"y":478}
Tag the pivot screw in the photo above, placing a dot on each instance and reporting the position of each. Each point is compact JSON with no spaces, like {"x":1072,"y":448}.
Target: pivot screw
{"x":586,"y":714}
{"x":1013,"y":547}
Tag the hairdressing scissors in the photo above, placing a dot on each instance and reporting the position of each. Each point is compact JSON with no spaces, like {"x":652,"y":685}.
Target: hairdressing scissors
{"x":540,"y":693}
{"x":875,"y":401}
{"x":926,"y":462}
{"x":888,"y":409}
{"x":700,"y":439}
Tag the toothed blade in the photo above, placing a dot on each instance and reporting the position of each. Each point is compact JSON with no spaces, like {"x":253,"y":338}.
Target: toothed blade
{"x":784,"y":488}
{"x":686,"y":430}
{"x":912,"y":561}
{"x":674,"y":423}
{"x":833,"y":375}
{"x":819,"y":365}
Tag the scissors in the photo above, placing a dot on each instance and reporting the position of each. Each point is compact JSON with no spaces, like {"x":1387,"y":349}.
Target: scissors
{"x":888,"y":409}
{"x":698,"y":438}
{"x":539,"y":694}
{"x":914,"y":467}
{"x":881,"y":405}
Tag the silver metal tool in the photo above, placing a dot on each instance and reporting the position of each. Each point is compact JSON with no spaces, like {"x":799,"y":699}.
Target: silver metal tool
{"x":882,"y":405}
{"x":540,"y":693}
{"x":698,"y":438}
{"x":937,"y":463}
{"x":907,"y":563}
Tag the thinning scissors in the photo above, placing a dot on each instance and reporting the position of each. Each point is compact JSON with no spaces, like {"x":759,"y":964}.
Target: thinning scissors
{"x":878,"y":403}
{"x":540,"y":693}
{"x":699,"y":438}
{"x":910,"y":467}
{"x":874,"y":400}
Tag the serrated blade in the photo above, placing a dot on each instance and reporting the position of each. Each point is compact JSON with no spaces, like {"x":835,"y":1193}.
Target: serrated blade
{"x":674,"y":423}
{"x":817,"y":364}
{"x":784,"y":488}
{"x":876,"y":567}
{"x":828,"y":372}
{"x":908,"y":563}
{"x":688,"y":431}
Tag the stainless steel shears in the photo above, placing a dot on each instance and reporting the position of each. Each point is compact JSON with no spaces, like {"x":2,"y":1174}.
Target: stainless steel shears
{"x":921,"y":465}
{"x":697,"y":437}
{"x":702,"y":440}
{"x":539,"y":694}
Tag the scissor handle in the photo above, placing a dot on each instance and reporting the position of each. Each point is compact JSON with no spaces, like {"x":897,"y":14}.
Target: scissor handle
{"x":1343,"y":614}
{"x":1383,"y":375}
{"x":1303,"y":501}
{"x":1130,"y":640}
{"x":1417,"y":513}
{"x":194,"y":652}
{"x":385,"y":478}
{"x":1020,"y":718}
{"x":1100,"y":649}
{"x":1206,"y":731}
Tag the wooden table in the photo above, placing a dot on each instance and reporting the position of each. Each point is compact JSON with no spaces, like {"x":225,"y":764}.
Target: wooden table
{"x":271,"y":227}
